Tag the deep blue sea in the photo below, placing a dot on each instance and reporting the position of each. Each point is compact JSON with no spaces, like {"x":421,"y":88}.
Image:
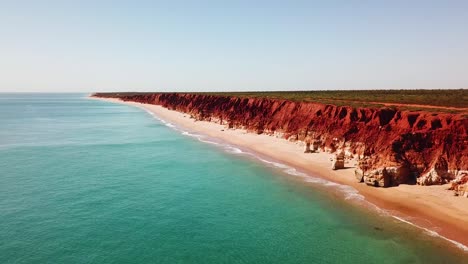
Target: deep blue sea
{"x":85,"y":181}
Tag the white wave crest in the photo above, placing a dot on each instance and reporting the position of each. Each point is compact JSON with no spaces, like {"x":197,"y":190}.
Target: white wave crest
{"x":208,"y":141}
{"x":186,"y":133}
{"x":348,"y":191}
{"x":233,"y":150}
{"x":151,"y":113}
{"x":433,"y":233}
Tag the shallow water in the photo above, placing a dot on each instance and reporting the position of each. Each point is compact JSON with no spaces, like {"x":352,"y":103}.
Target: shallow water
{"x":84,"y":181}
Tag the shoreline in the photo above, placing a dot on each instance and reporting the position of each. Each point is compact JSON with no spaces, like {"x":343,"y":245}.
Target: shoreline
{"x":431,"y":208}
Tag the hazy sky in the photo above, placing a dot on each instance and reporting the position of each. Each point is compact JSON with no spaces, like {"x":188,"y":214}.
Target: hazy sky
{"x":232,"y":45}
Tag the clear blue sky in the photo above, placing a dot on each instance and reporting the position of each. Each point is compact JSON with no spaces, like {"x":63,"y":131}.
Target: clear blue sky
{"x":86,"y":46}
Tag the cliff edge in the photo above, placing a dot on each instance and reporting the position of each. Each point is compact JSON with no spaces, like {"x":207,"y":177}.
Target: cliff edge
{"x":392,"y":146}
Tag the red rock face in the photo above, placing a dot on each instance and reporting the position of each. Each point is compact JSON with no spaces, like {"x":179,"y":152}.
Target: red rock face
{"x":419,"y":141}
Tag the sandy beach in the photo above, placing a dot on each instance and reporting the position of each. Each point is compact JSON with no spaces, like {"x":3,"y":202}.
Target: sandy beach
{"x":429,"y":207}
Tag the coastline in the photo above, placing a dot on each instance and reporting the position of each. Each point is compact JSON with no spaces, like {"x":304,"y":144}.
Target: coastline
{"x":429,"y":207}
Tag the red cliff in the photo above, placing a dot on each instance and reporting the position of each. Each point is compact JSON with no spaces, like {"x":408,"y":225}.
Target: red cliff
{"x":393,"y":146}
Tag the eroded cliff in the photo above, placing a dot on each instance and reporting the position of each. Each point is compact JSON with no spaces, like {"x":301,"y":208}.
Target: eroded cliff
{"x":393,"y":146}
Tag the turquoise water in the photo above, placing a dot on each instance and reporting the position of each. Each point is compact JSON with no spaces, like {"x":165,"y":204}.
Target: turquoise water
{"x":84,"y":181}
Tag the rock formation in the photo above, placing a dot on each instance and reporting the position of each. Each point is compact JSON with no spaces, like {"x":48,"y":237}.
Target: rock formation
{"x":377,"y":178}
{"x":460,"y":184}
{"x":398,"y":146}
{"x":315,"y":145}
{"x":307,"y":148}
{"x":338,"y":161}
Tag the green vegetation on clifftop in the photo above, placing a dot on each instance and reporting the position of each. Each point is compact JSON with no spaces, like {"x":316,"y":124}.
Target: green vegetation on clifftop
{"x":428,"y":100}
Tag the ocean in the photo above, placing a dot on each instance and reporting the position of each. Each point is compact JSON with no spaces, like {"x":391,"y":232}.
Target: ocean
{"x":86,"y":181}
